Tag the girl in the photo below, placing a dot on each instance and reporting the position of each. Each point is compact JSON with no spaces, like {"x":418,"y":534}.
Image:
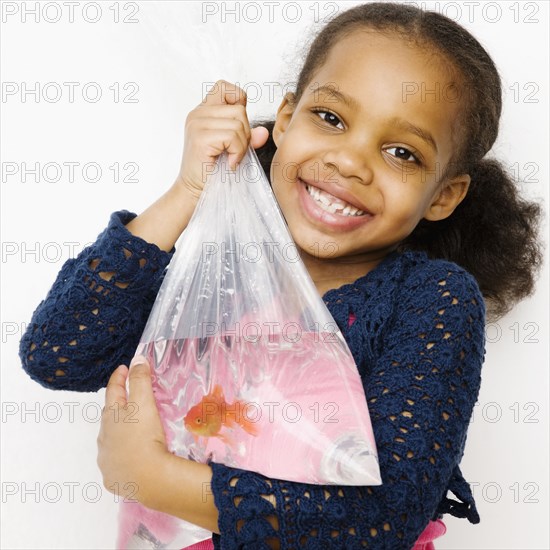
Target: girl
{"x":411,"y":237}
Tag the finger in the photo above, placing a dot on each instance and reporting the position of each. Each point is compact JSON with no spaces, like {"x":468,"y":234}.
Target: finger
{"x":216,"y":142}
{"x":139,"y":381}
{"x":220,"y":111}
{"x":224,"y":92}
{"x":116,"y":387}
{"x":259,"y":136}
{"x":233,"y":137}
{"x":213,"y":120}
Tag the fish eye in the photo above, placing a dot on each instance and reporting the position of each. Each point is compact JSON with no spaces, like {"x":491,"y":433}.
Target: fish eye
{"x":198,"y":420}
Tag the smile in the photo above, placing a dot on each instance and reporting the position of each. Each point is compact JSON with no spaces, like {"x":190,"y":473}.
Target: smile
{"x":332,"y":204}
{"x":329,"y":212}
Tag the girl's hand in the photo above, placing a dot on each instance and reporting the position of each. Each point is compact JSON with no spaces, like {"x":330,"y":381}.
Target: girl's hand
{"x":219,"y":123}
{"x":131,"y":441}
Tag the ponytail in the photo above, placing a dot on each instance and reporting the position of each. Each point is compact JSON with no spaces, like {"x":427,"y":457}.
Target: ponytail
{"x":492,"y":233}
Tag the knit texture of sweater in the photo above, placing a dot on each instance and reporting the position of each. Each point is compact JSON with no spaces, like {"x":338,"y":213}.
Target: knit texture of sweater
{"x":418,"y":341}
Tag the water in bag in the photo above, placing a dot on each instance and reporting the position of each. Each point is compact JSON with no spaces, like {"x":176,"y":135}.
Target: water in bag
{"x":249,"y":367}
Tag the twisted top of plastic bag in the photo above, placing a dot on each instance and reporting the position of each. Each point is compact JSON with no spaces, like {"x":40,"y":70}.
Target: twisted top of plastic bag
{"x":236,"y":266}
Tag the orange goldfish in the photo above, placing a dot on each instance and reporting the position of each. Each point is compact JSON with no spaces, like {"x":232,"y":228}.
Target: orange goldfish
{"x":206,"y":418}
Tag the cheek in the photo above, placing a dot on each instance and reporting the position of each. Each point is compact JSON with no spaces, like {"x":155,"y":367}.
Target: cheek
{"x":297,"y":143}
{"x":404,"y":204}
{"x":283,"y":171}
{"x":279,"y":185}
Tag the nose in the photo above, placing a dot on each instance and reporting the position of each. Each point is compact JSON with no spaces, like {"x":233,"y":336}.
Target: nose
{"x":350,"y":161}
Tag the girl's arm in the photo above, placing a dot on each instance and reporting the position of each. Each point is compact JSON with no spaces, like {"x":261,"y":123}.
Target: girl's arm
{"x":96,"y":310}
{"x":164,"y":221}
{"x":421,"y":391}
{"x":422,"y":382}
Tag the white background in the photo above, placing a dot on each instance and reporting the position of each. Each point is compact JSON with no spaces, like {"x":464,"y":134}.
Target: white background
{"x":170,"y":52}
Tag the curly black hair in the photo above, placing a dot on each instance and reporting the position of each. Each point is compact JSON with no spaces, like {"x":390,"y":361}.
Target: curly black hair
{"x":499,"y":245}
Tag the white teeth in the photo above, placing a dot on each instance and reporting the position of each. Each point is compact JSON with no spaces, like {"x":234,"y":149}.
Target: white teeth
{"x":329,"y":206}
{"x":323,"y":198}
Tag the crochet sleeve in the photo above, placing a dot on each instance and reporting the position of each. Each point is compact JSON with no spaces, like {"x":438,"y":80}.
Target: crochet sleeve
{"x":421,"y":389}
{"x":93,"y":316}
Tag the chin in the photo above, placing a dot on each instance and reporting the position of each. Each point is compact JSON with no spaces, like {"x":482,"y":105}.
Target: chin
{"x":318,"y":246}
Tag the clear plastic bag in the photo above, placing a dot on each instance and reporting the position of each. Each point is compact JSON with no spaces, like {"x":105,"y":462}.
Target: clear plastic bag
{"x":250,"y":368}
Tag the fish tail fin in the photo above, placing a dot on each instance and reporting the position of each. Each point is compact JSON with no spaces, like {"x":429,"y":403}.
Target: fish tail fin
{"x":244,"y":422}
{"x":249,"y":427}
{"x":235,"y":414}
{"x":217,"y":392}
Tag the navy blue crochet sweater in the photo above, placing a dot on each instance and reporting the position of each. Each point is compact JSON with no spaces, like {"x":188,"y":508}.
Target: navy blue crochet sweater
{"x":418,"y":342}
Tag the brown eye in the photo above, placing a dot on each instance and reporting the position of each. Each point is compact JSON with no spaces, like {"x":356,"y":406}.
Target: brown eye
{"x":330,"y":118}
{"x":402,"y":153}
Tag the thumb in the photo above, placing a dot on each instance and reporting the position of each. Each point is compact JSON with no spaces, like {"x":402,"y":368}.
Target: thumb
{"x":140,"y":386}
{"x":259,"y":136}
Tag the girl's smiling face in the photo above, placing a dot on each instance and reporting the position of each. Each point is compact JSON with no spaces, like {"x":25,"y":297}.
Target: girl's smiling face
{"x":358,"y":134}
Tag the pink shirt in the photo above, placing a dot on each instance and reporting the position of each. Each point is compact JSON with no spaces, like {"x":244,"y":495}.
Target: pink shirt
{"x":433,"y":530}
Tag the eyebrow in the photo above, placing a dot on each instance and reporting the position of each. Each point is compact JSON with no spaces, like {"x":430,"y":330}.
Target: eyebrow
{"x":400,"y":123}
{"x":424,"y":135}
{"x":331,"y":91}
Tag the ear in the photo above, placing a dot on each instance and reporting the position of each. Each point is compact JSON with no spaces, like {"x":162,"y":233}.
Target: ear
{"x":447,"y":198}
{"x":284,"y":114}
